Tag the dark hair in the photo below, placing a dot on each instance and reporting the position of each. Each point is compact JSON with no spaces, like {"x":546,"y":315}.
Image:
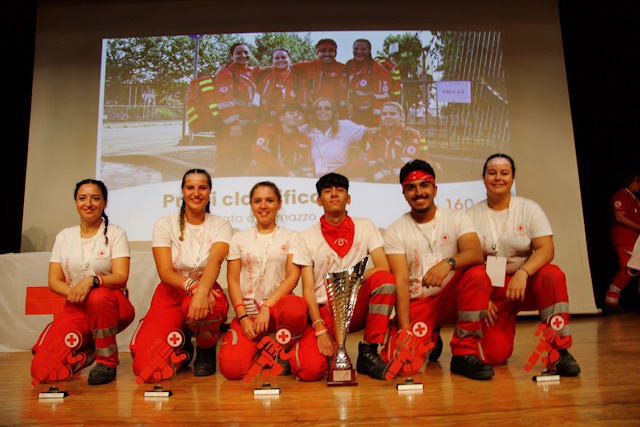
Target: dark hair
{"x":363,"y":41}
{"x":292,"y":106}
{"x":269,"y":184}
{"x":335,"y":118}
{"x":327,"y":41}
{"x":282,"y":49}
{"x":233,"y":47}
{"x":627,"y":176}
{"x":503,"y":156}
{"x":182,"y":207}
{"x":416,"y":165}
{"x":332,"y":180}
{"x":105,"y":193}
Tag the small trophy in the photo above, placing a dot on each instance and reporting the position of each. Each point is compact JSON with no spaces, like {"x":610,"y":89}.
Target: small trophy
{"x":158,"y":391}
{"x":53,"y":393}
{"x":342,"y":292}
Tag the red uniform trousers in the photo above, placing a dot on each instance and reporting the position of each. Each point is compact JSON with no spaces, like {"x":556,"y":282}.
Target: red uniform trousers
{"x":547,"y":292}
{"x":463,"y":301}
{"x":375,"y":302}
{"x":238,"y":352}
{"x":104,"y":313}
{"x":622,"y":277}
{"x":233,"y":156}
{"x":168,"y":313}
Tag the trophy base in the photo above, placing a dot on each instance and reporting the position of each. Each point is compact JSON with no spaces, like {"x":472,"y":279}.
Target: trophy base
{"x":409,"y":385}
{"x":266,"y":390}
{"x":342,"y":377}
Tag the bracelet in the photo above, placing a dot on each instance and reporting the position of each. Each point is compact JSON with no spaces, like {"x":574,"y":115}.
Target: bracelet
{"x":525,"y":270}
{"x":321,"y":332}
{"x":313,"y":325}
{"x":192,"y":287}
{"x":186,"y":282}
{"x":101,"y":280}
{"x":235,"y":307}
{"x":242,"y":317}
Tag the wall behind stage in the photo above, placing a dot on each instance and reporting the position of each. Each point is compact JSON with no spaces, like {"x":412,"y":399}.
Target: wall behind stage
{"x":64,"y":115}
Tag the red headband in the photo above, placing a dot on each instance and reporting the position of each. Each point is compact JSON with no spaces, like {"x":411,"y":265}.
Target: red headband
{"x":417,"y":175}
{"x":327,"y":44}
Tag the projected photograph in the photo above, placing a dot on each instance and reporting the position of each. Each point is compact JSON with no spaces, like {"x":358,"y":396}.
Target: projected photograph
{"x":292,"y":107}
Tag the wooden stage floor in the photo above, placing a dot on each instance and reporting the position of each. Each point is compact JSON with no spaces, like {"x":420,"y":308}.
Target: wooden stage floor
{"x":607,"y":392}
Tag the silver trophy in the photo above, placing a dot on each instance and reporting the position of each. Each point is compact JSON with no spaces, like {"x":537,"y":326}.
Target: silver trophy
{"x":342,"y":292}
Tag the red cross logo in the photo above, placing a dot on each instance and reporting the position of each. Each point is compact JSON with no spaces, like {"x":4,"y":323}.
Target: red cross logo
{"x":445,"y":238}
{"x":283,"y":336}
{"x":557,"y":322}
{"x":72,"y":340}
{"x":175,"y":339}
{"x":520,"y":228}
{"x":340,"y":241}
{"x":101,"y":253}
{"x":419,"y":329}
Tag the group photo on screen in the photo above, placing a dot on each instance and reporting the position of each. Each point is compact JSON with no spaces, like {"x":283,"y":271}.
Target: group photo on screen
{"x":302,"y":104}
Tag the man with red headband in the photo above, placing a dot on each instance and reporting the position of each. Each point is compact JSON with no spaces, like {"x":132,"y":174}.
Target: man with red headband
{"x":436,"y":257}
{"x":323,"y":77}
{"x":337,"y":243}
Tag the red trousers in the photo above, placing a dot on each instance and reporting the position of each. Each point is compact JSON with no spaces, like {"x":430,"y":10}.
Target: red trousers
{"x":547,"y":292}
{"x":238,"y":352}
{"x":375,"y":302}
{"x":168,"y":313}
{"x":464,"y":301}
{"x":94,"y":325}
{"x":622,"y":277}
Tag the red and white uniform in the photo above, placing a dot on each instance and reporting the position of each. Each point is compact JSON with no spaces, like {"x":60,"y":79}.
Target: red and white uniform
{"x":375,"y":302}
{"x":277,"y":153}
{"x":462,"y":299}
{"x":623,"y":239}
{"x":330,"y":151}
{"x":275,"y":89}
{"x":170,"y":306}
{"x":104,"y":313}
{"x":264,"y":264}
{"x":513,"y":230}
{"x":387,"y":153}
{"x":369,"y":84}
{"x":323,"y":81}
{"x":236,"y":96}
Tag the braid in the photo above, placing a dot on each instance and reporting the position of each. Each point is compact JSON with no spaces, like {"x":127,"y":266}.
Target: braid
{"x":182,"y":209}
{"x":106,"y":224}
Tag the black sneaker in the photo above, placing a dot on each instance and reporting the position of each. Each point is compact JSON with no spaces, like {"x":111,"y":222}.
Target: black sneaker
{"x":471,"y":366}
{"x":611,"y":309}
{"x":205,"y":363}
{"x":437,"y":350}
{"x":187,"y":348}
{"x":369,"y":361}
{"x":567,"y":366}
{"x":101,"y":374}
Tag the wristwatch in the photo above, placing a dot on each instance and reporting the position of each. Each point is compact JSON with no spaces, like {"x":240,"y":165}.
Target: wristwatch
{"x":96,"y":282}
{"x":452,"y":263}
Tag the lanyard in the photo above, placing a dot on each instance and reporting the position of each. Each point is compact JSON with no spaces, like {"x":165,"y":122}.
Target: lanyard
{"x":494,"y":235}
{"x":86,"y":262}
{"x":432,"y":246}
{"x":263,"y":258}
{"x":199,"y":245}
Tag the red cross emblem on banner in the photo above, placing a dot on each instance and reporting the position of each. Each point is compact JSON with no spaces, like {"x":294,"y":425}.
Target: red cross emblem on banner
{"x":557,"y":322}
{"x":175,"y":338}
{"x":72,"y":340}
{"x":283,"y":336}
{"x":419,"y":329}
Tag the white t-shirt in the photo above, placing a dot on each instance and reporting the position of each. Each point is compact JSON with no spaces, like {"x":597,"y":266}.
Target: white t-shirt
{"x":189,"y":257}
{"x":313,"y":250}
{"x":330,"y":148}
{"x":73,"y":252}
{"x":260,"y":277}
{"x":406,"y":237}
{"x":524,"y":220}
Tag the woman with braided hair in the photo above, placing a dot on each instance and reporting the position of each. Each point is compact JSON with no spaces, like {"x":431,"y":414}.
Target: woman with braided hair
{"x":189,"y":248}
{"x":89,"y":267}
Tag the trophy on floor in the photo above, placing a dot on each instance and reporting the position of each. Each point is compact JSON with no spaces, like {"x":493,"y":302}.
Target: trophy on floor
{"x":342,"y":292}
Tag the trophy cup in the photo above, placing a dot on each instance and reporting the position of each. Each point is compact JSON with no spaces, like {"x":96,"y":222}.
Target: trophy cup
{"x":342,"y":292}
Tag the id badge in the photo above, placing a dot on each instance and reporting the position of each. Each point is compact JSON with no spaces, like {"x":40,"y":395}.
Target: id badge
{"x":497,"y":270}
{"x":429,"y":260}
{"x":256,"y":100}
{"x":321,"y":167}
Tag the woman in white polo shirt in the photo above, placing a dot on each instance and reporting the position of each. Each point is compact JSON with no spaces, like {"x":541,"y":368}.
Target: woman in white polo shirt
{"x":517,"y":244}
{"x":89,"y":267}
{"x":261,"y":276}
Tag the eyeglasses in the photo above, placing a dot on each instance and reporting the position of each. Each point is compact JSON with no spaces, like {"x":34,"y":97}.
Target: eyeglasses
{"x":324,"y":108}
